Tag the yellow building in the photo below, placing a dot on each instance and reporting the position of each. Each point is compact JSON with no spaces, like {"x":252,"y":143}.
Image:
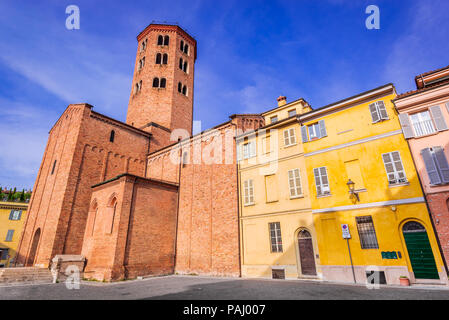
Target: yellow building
{"x":277,"y":236}
{"x":12,"y":217}
{"x":361,"y":176}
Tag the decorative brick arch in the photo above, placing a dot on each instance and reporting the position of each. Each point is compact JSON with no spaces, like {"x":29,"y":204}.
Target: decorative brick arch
{"x":34,"y":246}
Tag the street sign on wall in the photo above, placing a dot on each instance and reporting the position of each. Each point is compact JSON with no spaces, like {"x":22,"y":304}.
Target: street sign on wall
{"x":345,"y":231}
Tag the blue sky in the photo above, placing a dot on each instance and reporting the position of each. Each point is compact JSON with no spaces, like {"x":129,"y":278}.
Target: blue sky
{"x":249,"y":53}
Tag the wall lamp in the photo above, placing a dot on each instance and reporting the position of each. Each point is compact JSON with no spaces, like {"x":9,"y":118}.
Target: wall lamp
{"x":352,"y":192}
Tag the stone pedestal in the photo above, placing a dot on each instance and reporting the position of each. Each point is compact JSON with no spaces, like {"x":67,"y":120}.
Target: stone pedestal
{"x":64,"y":266}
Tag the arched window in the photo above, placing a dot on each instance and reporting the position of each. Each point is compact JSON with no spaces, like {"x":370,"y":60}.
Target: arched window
{"x":179,"y":87}
{"x":158,"y":58}
{"x":186,"y":48}
{"x":182,"y":46}
{"x":184,"y":90}
{"x":166,"y":40}
{"x":109,"y":221}
{"x":163,"y":83}
{"x":160,"y":40}
{"x":156,"y":83}
{"x":185,"y":68}
{"x":144,"y":45}
{"x":413,"y":226}
{"x":304,"y":234}
{"x":112,"y":136}
{"x":165,"y":59}
{"x":180,"y":63}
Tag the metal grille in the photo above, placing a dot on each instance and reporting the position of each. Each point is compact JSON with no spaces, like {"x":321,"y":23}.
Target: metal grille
{"x":367,"y":233}
{"x":275,"y":236}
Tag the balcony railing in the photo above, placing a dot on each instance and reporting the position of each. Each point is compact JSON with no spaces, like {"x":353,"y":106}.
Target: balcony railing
{"x":423,"y":128}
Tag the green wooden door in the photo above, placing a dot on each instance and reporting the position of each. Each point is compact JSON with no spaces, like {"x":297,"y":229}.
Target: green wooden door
{"x":420,"y":251}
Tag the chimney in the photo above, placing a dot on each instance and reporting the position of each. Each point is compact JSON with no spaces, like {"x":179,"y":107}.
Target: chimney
{"x":282,"y":101}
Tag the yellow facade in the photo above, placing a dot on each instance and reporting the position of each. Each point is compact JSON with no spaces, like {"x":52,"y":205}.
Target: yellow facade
{"x":353,"y":148}
{"x":273,"y":200}
{"x":12,"y":218}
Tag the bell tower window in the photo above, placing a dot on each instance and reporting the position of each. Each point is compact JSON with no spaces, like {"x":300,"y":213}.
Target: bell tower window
{"x":112,"y":136}
{"x":165,"y":58}
{"x":166,"y":40}
{"x":160,"y":40}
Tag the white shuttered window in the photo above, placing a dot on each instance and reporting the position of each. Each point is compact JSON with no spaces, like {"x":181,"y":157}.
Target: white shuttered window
{"x":248,"y":189}
{"x":394,"y":168}
{"x":294,"y":182}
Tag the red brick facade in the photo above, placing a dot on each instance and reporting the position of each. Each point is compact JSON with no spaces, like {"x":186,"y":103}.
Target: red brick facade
{"x":110,"y":190}
{"x":439,"y":208}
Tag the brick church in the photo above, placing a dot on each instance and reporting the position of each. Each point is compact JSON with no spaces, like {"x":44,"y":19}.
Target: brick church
{"x":135,"y":198}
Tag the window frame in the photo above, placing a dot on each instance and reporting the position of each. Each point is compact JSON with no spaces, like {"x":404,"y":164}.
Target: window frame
{"x":275,"y":118}
{"x":9,"y":235}
{"x":275,"y":228}
{"x":420,"y":121}
{"x":248,"y":192}
{"x":291,"y":137}
{"x":367,"y":237}
{"x":395,"y":172}
{"x":249,"y":151}
{"x":294,"y":179}
{"x":321,"y":185}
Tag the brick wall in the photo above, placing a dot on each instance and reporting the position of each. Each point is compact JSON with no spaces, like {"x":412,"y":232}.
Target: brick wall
{"x":439,"y":208}
{"x":79,"y":142}
{"x":141,"y":240}
{"x":207,"y":238}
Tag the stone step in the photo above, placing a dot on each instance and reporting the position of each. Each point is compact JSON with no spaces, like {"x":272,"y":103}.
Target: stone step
{"x":13,"y":276}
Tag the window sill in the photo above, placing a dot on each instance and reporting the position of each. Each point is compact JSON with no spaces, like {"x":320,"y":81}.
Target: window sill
{"x":439,"y":185}
{"x":324,"y":196}
{"x":290,"y":145}
{"x":297,"y":197}
{"x":426,"y":135}
{"x":249,"y":205}
{"x":273,"y":201}
{"x":398,"y":185}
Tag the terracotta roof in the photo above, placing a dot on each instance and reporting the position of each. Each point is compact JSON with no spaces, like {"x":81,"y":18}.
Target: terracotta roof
{"x":430,"y":72}
{"x":429,"y":87}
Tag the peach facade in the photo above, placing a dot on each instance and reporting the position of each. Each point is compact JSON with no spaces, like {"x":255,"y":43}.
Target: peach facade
{"x":424,"y":116}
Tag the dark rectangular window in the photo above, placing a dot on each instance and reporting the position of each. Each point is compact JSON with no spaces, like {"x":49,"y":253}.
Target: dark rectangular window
{"x":4,"y":253}
{"x":9,"y":235}
{"x":276,"y":237}
{"x":54,"y":166}
{"x":367,"y":233}
{"x":15,"y":215}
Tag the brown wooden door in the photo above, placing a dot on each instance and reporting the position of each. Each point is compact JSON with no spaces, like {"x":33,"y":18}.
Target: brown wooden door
{"x":306,"y":255}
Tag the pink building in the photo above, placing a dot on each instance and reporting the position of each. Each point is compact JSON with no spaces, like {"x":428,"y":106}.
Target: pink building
{"x":424,"y":116}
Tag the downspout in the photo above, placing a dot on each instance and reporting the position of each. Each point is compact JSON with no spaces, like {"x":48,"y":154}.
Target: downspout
{"x":240,"y":243}
{"x":427,"y":203}
{"x":177,"y":208}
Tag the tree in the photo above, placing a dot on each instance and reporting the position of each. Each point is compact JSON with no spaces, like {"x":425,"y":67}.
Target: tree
{"x":22,"y":196}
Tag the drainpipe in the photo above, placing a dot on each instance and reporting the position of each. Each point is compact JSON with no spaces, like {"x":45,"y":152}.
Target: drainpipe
{"x":177,"y":209}
{"x":238,"y":203}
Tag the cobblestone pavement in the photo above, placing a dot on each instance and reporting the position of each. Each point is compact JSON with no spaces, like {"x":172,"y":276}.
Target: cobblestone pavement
{"x":202,"y":288}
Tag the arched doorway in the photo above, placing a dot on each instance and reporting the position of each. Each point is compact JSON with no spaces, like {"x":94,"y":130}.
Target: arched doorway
{"x":34,"y":244}
{"x":419,"y":251}
{"x":306,"y":255}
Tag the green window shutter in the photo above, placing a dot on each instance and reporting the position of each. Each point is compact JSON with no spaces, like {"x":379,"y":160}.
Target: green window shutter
{"x":438,"y":118}
{"x":382,"y":110}
{"x":374,"y":113}
{"x":441,"y":161}
{"x":316,"y":173}
{"x":304,"y":134}
{"x":11,"y":214}
{"x":322,"y":126}
{"x":431,"y":168}
{"x":20,"y":215}
{"x":406,"y":125}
